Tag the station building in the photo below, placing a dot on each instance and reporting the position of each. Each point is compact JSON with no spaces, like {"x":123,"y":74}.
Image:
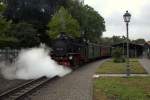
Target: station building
{"x":146,"y":51}
{"x":135,"y":50}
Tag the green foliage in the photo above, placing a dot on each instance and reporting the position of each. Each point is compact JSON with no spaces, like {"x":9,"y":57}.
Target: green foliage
{"x":62,"y":21}
{"x":118,"y":39}
{"x":31,"y":11}
{"x":36,"y":12}
{"x":94,"y":25}
{"x":91,"y":22}
{"x":25,"y":34}
{"x":112,"y":40}
{"x":82,"y":18}
{"x":8,"y":41}
{"x":4,"y":26}
{"x":139,"y":41}
{"x":3,"y":23}
{"x":2,"y":7}
{"x":117,"y":55}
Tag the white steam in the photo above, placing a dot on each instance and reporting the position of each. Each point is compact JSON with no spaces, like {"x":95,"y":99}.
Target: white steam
{"x":34,"y":63}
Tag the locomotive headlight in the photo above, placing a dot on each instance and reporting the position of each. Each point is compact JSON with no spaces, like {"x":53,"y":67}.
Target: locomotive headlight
{"x":70,"y":57}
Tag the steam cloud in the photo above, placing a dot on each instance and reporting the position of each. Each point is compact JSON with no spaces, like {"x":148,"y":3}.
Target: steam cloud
{"x":32,"y":64}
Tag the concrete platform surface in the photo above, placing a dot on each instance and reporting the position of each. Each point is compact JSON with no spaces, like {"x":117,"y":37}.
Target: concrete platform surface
{"x":146,"y":64}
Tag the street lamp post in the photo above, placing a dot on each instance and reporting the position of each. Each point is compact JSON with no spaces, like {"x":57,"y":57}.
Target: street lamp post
{"x":127,"y":17}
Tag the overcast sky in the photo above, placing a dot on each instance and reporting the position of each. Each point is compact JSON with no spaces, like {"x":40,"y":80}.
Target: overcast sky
{"x":112,"y":11}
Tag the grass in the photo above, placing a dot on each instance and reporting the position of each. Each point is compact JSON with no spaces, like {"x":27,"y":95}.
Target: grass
{"x":109,"y":67}
{"x":133,"y":88}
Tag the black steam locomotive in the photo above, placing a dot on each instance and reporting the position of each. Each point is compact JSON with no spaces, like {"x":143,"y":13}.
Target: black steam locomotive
{"x":73,"y":52}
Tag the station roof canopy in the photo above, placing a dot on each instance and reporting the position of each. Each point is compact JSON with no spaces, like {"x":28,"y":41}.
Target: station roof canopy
{"x":132,"y":45}
{"x":147,"y":44}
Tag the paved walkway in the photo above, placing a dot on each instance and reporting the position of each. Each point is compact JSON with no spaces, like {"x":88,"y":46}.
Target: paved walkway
{"x":119,"y":75}
{"x":76,"y":86}
{"x":146,"y":64}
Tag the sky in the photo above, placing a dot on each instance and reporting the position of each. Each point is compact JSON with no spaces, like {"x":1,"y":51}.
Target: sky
{"x":113,"y":10}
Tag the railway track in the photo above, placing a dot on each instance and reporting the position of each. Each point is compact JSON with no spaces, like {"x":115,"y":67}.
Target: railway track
{"x":25,"y":89}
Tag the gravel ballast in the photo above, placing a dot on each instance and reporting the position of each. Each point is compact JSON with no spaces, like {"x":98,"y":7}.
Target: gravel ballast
{"x":9,"y":84}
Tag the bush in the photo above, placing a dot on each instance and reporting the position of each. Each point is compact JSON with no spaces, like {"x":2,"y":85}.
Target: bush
{"x":25,"y":33}
{"x":117,"y":55}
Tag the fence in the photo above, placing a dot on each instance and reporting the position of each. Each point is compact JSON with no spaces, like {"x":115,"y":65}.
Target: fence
{"x":8,"y":54}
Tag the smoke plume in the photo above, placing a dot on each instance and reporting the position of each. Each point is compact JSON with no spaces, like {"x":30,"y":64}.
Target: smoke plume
{"x":32,"y":64}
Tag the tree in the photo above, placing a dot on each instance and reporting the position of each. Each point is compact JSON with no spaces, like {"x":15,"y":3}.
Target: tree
{"x":39,"y":12}
{"x":1,"y":6}
{"x":25,"y":33}
{"x":106,"y":41}
{"x":112,"y":40}
{"x":62,"y":21}
{"x":91,"y":23}
{"x":95,"y":24}
{"x":5,"y":39}
{"x":31,"y":10}
{"x":35,"y":12}
{"x":139,"y":41}
{"x":118,"y":39}
{"x":4,"y":24}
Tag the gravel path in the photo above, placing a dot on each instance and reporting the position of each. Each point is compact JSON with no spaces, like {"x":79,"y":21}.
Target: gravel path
{"x":145,"y":63}
{"x":75,"y":86}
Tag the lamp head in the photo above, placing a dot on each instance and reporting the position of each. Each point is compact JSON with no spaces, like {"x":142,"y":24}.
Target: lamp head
{"x":127,"y":17}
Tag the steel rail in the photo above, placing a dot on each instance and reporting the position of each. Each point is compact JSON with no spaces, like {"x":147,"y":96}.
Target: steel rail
{"x":25,"y":89}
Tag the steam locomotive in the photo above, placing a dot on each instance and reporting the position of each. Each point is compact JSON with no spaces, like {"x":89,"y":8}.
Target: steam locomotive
{"x":74,"y":52}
